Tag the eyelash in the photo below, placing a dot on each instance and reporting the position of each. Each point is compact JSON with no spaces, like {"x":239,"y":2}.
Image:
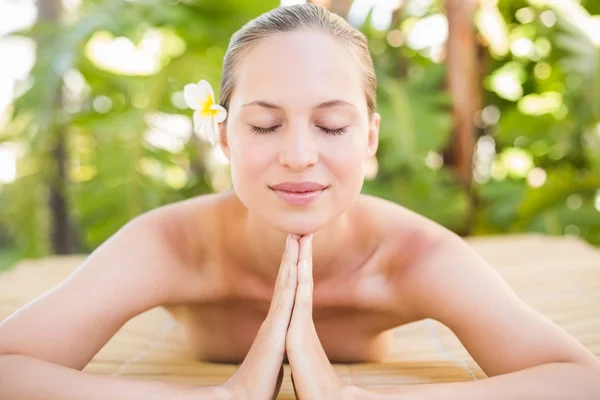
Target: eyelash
{"x":265,"y":131}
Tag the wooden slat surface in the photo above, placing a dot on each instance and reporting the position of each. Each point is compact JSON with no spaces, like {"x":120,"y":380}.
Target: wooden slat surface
{"x":559,"y":276}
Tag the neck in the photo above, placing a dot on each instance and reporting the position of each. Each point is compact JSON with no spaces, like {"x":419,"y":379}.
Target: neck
{"x":265,"y":245}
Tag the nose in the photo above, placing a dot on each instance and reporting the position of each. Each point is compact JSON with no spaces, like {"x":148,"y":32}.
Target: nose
{"x":299,"y":149}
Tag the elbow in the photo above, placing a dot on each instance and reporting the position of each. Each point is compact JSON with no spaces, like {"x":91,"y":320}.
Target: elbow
{"x":6,"y":362}
{"x":595,"y":380}
{"x":9,"y":366}
{"x":8,"y":358}
{"x":589,"y":372}
{"x":589,"y":363}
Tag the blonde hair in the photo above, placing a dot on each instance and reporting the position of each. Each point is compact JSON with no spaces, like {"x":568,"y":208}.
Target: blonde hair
{"x":296,"y":18}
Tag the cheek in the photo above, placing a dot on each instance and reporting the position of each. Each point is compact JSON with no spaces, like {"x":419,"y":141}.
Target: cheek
{"x":251,"y":158}
{"x":249,"y":162}
{"x":346,"y":162}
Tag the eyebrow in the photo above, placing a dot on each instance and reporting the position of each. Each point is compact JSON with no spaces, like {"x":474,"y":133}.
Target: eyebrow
{"x":327,"y":104}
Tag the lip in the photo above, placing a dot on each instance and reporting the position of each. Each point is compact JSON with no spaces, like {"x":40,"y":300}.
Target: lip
{"x":298,"y":198}
{"x":298,"y":187}
{"x":298,"y":193}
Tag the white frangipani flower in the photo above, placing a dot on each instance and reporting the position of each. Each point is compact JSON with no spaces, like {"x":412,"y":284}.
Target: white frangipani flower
{"x":207,"y":115}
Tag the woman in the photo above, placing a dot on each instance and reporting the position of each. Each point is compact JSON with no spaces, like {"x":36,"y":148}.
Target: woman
{"x":299,"y":89}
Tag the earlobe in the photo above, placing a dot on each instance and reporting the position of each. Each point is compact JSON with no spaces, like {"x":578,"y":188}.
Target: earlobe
{"x":373,"y":141}
{"x":223,"y":139}
{"x":372,"y":150}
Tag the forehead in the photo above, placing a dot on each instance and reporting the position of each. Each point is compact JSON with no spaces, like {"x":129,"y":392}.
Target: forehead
{"x":299,"y":69}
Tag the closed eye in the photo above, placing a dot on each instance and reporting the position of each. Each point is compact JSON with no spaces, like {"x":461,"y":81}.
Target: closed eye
{"x":264,"y":131}
{"x":335,"y":132}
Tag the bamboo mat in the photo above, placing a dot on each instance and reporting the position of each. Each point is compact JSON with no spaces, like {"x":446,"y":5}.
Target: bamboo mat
{"x":559,"y":276}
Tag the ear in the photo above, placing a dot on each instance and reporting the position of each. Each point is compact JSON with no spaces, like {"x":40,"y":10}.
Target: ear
{"x":373,"y":140}
{"x":223,"y":139}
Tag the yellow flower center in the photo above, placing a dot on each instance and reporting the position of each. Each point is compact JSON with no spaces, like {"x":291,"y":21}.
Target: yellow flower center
{"x":205,"y":107}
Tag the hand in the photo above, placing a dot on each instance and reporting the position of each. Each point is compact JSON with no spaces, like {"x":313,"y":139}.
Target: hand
{"x":259,"y":376}
{"x":313,"y":375}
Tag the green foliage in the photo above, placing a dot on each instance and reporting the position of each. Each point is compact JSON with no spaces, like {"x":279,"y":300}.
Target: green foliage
{"x":416,"y":123}
{"x":561,"y":139}
{"x":116,"y":173}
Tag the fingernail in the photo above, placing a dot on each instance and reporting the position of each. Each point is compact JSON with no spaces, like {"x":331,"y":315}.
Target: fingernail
{"x":310,"y":237}
{"x":287,"y":242}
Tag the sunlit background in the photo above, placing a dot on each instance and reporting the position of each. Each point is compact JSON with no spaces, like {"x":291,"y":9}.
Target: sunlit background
{"x":94,"y":129}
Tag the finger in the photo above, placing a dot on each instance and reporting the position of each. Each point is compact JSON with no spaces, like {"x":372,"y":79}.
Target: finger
{"x":285,"y":286}
{"x":304,"y":293}
{"x":290,"y":256}
{"x":259,"y":371}
{"x":313,"y":375}
{"x":271,"y":334}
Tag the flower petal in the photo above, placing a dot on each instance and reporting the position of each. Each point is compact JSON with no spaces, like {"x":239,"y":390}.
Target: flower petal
{"x":221,"y":113}
{"x":210,"y":130}
{"x":206,"y":129}
{"x":217,"y":130}
{"x":204,"y":92}
{"x":207,"y":114}
{"x":198,"y":121}
{"x":189,"y":94}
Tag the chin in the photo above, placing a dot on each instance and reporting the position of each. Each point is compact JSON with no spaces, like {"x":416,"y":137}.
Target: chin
{"x":299,"y":224}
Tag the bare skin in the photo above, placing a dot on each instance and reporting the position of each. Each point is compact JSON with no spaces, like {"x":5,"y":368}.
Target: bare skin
{"x":398,"y":267}
{"x":352,"y":299}
{"x":180,"y":257}
{"x":190,"y":258}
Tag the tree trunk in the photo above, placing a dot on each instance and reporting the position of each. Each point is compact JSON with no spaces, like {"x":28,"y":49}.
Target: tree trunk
{"x":62,"y":235}
{"x":464,"y":87}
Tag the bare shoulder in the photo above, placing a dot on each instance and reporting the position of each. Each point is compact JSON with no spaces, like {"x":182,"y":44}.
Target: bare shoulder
{"x":397,"y":227}
{"x":410,"y":243}
{"x":177,"y":237}
{"x":434,"y":273}
{"x":147,"y":263}
{"x":183,"y":228}
{"x":429,"y":265}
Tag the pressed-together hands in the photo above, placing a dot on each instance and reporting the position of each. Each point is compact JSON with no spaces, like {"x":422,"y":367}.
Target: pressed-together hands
{"x":313,"y":375}
{"x":259,"y":376}
{"x":288,"y":328}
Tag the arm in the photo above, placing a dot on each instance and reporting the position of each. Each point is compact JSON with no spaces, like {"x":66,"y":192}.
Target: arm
{"x":45,"y":344}
{"x":558,"y":381}
{"x":28,"y":378}
{"x":523,"y":352}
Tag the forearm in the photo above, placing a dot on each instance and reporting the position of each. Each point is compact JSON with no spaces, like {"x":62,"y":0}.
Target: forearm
{"x":27,"y":378}
{"x":556,"y":381}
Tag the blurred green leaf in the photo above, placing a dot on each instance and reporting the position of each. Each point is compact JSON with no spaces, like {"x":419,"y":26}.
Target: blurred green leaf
{"x":560,"y":184}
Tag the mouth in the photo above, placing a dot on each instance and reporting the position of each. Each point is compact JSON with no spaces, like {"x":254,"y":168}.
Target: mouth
{"x":298,"y":198}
